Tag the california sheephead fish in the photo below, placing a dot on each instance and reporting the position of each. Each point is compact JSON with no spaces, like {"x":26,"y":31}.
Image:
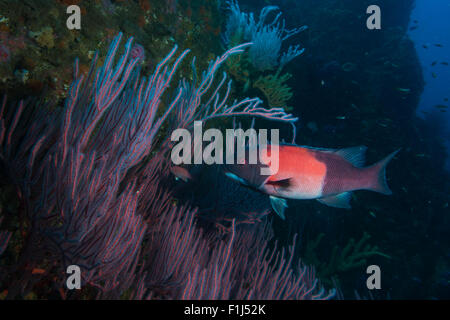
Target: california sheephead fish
{"x":328,"y":175}
{"x":217,"y":197}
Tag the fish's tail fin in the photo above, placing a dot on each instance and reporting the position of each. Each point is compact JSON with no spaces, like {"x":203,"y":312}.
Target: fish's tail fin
{"x":376,"y":175}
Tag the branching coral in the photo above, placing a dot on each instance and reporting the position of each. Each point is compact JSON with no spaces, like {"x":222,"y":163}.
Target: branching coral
{"x":275,"y":90}
{"x":239,"y":266}
{"x":264,"y":274}
{"x":267,"y":38}
{"x":264,"y":54}
{"x":91,"y":188}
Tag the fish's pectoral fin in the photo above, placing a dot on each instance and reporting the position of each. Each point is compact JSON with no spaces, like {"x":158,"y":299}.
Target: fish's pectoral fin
{"x":341,"y":200}
{"x":278,"y":205}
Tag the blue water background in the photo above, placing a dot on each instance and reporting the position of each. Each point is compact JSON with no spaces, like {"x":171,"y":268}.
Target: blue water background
{"x":433,"y":27}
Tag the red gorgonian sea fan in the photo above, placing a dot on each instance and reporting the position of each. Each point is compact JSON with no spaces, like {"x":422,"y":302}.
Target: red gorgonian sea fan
{"x":89,"y":183}
{"x":137,"y":52}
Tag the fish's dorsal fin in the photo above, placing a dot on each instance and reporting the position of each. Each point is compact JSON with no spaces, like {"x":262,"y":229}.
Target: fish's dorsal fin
{"x":278,"y":205}
{"x":354,"y":155}
{"x":341,"y":200}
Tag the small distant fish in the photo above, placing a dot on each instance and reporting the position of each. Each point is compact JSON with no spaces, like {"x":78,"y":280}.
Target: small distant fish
{"x":441,"y":106}
{"x":37,"y":271}
{"x":181,"y":173}
{"x":438,"y":45}
{"x":327,"y":175}
{"x":434,"y":75}
{"x":405,"y":90}
{"x":413,"y":28}
{"x":354,"y":106}
{"x":434,"y":63}
{"x":445,"y":99}
{"x":340,"y":117}
{"x":415,"y":21}
{"x":444,"y":63}
{"x":425,"y":46}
